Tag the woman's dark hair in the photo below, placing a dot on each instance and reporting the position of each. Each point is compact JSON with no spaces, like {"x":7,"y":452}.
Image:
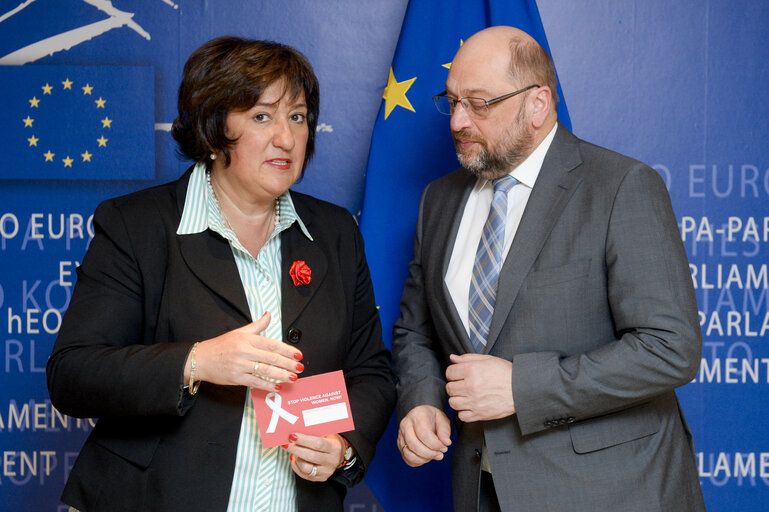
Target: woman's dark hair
{"x":229,"y":74}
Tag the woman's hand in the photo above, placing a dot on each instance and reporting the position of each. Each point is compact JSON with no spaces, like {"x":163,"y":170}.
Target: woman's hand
{"x":316,"y":458}
{"x":243,"y":357}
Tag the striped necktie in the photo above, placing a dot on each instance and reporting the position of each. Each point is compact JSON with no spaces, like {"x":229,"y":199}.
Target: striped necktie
{"x":488,"y":263}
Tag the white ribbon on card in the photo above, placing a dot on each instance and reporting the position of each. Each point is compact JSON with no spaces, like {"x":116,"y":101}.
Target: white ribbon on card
{"x":274,"y":402}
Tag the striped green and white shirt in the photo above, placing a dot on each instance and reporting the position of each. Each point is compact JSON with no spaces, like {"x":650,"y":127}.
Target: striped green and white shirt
{"x":263,"y":479}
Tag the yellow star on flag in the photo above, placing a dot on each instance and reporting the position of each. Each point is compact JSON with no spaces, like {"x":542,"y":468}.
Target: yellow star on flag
{"x":106,"y":122}
{"x":67,"y":83}
{"x":49,"y":156}
{"x":87,"y":89}
{"x":33,"y":141}
{"x":448,"y":66}
{"x":46,"y":88}
{"x":100,"y":102}
{"x":34,"y":102}
{"x":86,"y":156}
{"x":67,"y":161}
{"x":28,"y":122}
{"x":395,"y":94}
{"x":102,"y":142}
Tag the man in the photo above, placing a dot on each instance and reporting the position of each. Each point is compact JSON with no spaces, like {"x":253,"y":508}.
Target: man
{"x":550,"y":300}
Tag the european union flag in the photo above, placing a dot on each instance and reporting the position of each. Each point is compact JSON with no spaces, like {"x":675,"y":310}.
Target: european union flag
{"x":411,"y":145}
{"x":77,"y":122}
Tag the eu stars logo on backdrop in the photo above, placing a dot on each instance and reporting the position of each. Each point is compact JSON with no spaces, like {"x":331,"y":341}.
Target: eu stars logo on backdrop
{"x":77,"y":122}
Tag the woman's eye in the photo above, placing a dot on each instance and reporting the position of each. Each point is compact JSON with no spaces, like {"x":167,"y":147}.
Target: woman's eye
{"x":260,"y":118}
{"x":298,"y":118}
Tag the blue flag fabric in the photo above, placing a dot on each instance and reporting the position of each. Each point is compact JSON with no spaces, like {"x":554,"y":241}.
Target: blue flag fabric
{"x":411,"y":146}
{"x":78,"y":122}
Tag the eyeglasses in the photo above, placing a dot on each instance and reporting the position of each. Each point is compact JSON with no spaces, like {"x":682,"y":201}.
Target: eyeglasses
{"x":475,"y":107}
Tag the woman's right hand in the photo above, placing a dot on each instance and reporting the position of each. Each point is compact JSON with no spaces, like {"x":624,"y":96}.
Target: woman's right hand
{"x":243,"y":357}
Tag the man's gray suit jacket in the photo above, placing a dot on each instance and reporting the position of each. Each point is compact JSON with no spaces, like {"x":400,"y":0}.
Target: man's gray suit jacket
{"x":596,"y":309}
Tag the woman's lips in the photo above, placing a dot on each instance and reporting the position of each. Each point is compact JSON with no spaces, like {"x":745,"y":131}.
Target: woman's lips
{"x":280,"y":163}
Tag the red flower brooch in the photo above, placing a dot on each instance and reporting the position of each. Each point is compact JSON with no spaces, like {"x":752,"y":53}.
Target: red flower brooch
{"x":300,"y":273}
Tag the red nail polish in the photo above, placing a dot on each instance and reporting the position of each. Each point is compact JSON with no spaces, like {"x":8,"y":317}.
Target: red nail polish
{"x":298,"y":356}
{"x":292,"y":377}
{"x":285,"y":446}
{"x":299,"y":367}
{"x":293,"y":438}
{"x":278,"y":387}
{"x":292,"y":458}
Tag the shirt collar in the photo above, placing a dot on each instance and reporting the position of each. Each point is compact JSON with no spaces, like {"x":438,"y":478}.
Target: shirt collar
{"x":200,"y":211}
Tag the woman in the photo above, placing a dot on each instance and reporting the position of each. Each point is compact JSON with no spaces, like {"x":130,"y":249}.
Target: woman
{"x":187,"y":288}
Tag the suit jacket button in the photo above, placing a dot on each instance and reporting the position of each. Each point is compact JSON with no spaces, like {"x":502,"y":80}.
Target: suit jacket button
{"x":477,"y":455}
{"x":294,"y":335}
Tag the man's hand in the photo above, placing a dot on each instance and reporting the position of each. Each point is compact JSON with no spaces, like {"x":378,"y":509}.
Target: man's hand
{"x":480,"y":387}
{"x":424,"y":435}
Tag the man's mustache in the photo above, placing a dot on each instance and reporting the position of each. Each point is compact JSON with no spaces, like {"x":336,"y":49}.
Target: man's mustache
{"x":467,"y":136}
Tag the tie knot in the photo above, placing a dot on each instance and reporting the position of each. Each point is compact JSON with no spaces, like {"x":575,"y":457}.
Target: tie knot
{"x":504,"y":184}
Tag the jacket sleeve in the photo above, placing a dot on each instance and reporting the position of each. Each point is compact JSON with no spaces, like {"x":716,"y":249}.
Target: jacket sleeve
{"x":654,"y":314}
{"x":367,"y":369}
{"x":105,"y":362}
{"x":417,"y":362}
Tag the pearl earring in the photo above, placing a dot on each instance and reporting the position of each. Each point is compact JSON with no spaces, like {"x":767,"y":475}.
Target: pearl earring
{"x":213,"y":156}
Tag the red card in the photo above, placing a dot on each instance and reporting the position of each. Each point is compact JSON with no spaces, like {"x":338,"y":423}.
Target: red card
{"x":316,"y":405}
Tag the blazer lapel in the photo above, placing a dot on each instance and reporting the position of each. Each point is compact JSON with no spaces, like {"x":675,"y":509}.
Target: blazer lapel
{"x":295,"y":246}
{"x":554,"y":187}
{"x":446,"y":234}
{"x":210,"y":258}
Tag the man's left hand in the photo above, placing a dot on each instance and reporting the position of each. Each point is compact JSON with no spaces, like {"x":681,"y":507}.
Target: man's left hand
{"x":480,"y":387}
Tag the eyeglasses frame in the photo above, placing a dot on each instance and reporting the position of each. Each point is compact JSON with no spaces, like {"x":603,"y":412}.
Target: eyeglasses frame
{"x":487,"y":103}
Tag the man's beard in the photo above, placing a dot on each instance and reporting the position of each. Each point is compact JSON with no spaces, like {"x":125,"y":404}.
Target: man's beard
{"x":488,"y":164}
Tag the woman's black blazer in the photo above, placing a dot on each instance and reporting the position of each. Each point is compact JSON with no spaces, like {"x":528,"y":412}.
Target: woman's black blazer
{"x":144,"y":295}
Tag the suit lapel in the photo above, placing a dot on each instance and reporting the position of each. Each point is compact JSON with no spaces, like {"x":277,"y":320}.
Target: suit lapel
{"x":295,"y":246}
{"x":554,"y":187}
{"x":446,"y":234}
{"x":210,"y":258}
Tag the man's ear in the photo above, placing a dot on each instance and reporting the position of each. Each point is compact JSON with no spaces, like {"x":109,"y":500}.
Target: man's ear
{"x":541,"y":103}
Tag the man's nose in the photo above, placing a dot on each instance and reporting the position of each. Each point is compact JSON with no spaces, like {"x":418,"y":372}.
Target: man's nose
{"x":459,"y":118}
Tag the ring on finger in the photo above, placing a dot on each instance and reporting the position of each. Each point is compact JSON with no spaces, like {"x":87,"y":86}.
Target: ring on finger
{"x":263,"y":377}
{"x":269,"y":379}
{"x":313,"y":471}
